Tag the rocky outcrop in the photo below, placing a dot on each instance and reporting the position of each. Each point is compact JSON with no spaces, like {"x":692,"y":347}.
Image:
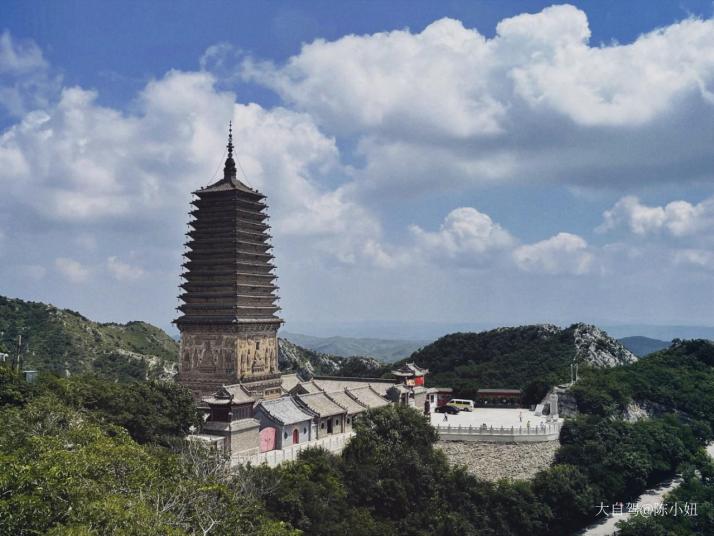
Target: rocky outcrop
{"x":494,"y":461}
{"x":596,"y":348}
{"x":308,"y":363}
{"x":641,"y":410}
{"x":567,"y":405}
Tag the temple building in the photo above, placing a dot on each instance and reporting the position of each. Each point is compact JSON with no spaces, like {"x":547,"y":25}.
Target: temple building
{"x":229,"y":340}
{"x":228,"y":320}
{"x":410,"y":391}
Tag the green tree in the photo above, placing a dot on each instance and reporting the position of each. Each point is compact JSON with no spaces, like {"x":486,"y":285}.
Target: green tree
{"x":566,"y":491}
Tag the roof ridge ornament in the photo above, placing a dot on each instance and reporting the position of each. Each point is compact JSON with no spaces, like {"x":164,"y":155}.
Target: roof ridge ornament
{"x":230,"y":139}
{"x":229,"y":170}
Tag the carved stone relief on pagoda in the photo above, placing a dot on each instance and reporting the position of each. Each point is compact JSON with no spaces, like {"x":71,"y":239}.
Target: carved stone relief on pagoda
{"x":257,"y":355}
{"x":208,"y":352}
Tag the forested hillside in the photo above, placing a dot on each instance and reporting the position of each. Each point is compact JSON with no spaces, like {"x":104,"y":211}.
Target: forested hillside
{"x":59,"y":339}
{"x":531,"y":358}
{"x":83,"y":455}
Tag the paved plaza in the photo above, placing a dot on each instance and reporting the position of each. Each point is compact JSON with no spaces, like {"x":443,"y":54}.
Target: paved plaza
{"x":495,"y":417}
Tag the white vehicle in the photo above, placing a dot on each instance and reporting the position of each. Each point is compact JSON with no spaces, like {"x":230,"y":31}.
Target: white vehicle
{"x":462,"y":404}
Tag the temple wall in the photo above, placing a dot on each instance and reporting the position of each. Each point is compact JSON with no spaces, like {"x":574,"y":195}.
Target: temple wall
{"x":246,"y":442}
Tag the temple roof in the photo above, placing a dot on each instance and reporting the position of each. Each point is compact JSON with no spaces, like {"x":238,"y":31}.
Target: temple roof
{"x":284,"y":410}
{"x":289,"y":381}
{"x":409,"y":370}
{"x":229,"y":180}
{"x":337,"y":383}
{"x":227,"y":184}
{"x":367,"y":397}
{"x":305,"y":387}
{"x":344,"y":400}
{"x":320,"y":404}
{"x":228,"y":394}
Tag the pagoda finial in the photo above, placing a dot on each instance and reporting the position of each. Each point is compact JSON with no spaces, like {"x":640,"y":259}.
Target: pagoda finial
{"x":229,"y":170}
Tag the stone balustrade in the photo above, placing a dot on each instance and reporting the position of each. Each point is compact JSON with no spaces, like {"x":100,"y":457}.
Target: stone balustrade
{"x":522,"y":434}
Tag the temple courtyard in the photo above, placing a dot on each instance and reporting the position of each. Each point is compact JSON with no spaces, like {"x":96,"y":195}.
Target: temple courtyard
{"x":496,"y":417}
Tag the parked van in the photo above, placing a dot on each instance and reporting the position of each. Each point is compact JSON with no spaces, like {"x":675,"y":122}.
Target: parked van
{"x":462,"y":404}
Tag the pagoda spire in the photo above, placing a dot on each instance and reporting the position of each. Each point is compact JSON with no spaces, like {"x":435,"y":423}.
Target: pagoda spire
{"x":229,"y":170}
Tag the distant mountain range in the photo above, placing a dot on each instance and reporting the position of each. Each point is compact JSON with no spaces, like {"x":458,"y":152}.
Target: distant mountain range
{"x":420,"y":332}
{"x":387,"y":350}
{"x":63,"y":340}
{"x":642,"y":346}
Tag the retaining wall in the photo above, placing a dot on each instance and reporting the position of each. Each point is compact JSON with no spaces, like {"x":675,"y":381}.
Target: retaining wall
{"x":535,"y":434}
{"x":333,"y":443}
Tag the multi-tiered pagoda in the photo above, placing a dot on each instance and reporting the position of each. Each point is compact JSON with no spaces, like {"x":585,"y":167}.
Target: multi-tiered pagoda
{"x":229,"y":321}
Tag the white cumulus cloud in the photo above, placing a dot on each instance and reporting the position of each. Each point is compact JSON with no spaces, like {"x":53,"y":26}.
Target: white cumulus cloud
{"x":563,"y":253}
{"x":72,"y":270}
{"x":465,"y":231}
{"x":677,"y":218}
{"x":25,"y":78}
{"x":536,"y":102}
{"x":122,"y":271}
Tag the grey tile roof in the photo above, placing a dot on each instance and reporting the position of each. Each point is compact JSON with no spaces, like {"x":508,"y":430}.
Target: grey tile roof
{"x":344,"y":400}
{"x":240,"y":395}
{"x":224,"y":393}
{"x":227,"y":184}
{"x":331,"y":385}
{"x":321,"y":404}
{"x":241,"y":424}
{"x":306,"y":387}
{"x":284,"y":410}
{"x":367,"y":397}
{"x":288,"y":381}
{"x":410,"y":369}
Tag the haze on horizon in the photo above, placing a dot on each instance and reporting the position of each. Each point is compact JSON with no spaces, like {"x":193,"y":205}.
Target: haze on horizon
{"x":476,"y":164}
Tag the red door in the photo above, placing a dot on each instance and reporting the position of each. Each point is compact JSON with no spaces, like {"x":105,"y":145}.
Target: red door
{"x":267,"y":439}
{"x":296,"y":436}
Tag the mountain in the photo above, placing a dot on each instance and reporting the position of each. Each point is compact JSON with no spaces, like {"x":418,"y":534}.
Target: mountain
{"x":308,"y":363}
{"x":56,"y":340}
{"x":387,"y":350}
{"x":531,"y":358}
{"x":642,"y":346}
{"x":60,"y":340}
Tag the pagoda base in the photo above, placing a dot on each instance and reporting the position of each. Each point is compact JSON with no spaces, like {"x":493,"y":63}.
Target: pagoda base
{"x":202,"y":385}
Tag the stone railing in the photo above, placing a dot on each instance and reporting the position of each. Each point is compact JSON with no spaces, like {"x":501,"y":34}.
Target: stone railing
{"x":333,"y":443}
{"x":491,"y":434}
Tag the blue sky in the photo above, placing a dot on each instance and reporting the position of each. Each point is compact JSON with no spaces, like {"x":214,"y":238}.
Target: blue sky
{"x":479,"y":163}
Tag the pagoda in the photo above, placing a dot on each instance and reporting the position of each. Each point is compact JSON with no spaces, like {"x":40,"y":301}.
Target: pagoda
{"x":228,"y":322}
